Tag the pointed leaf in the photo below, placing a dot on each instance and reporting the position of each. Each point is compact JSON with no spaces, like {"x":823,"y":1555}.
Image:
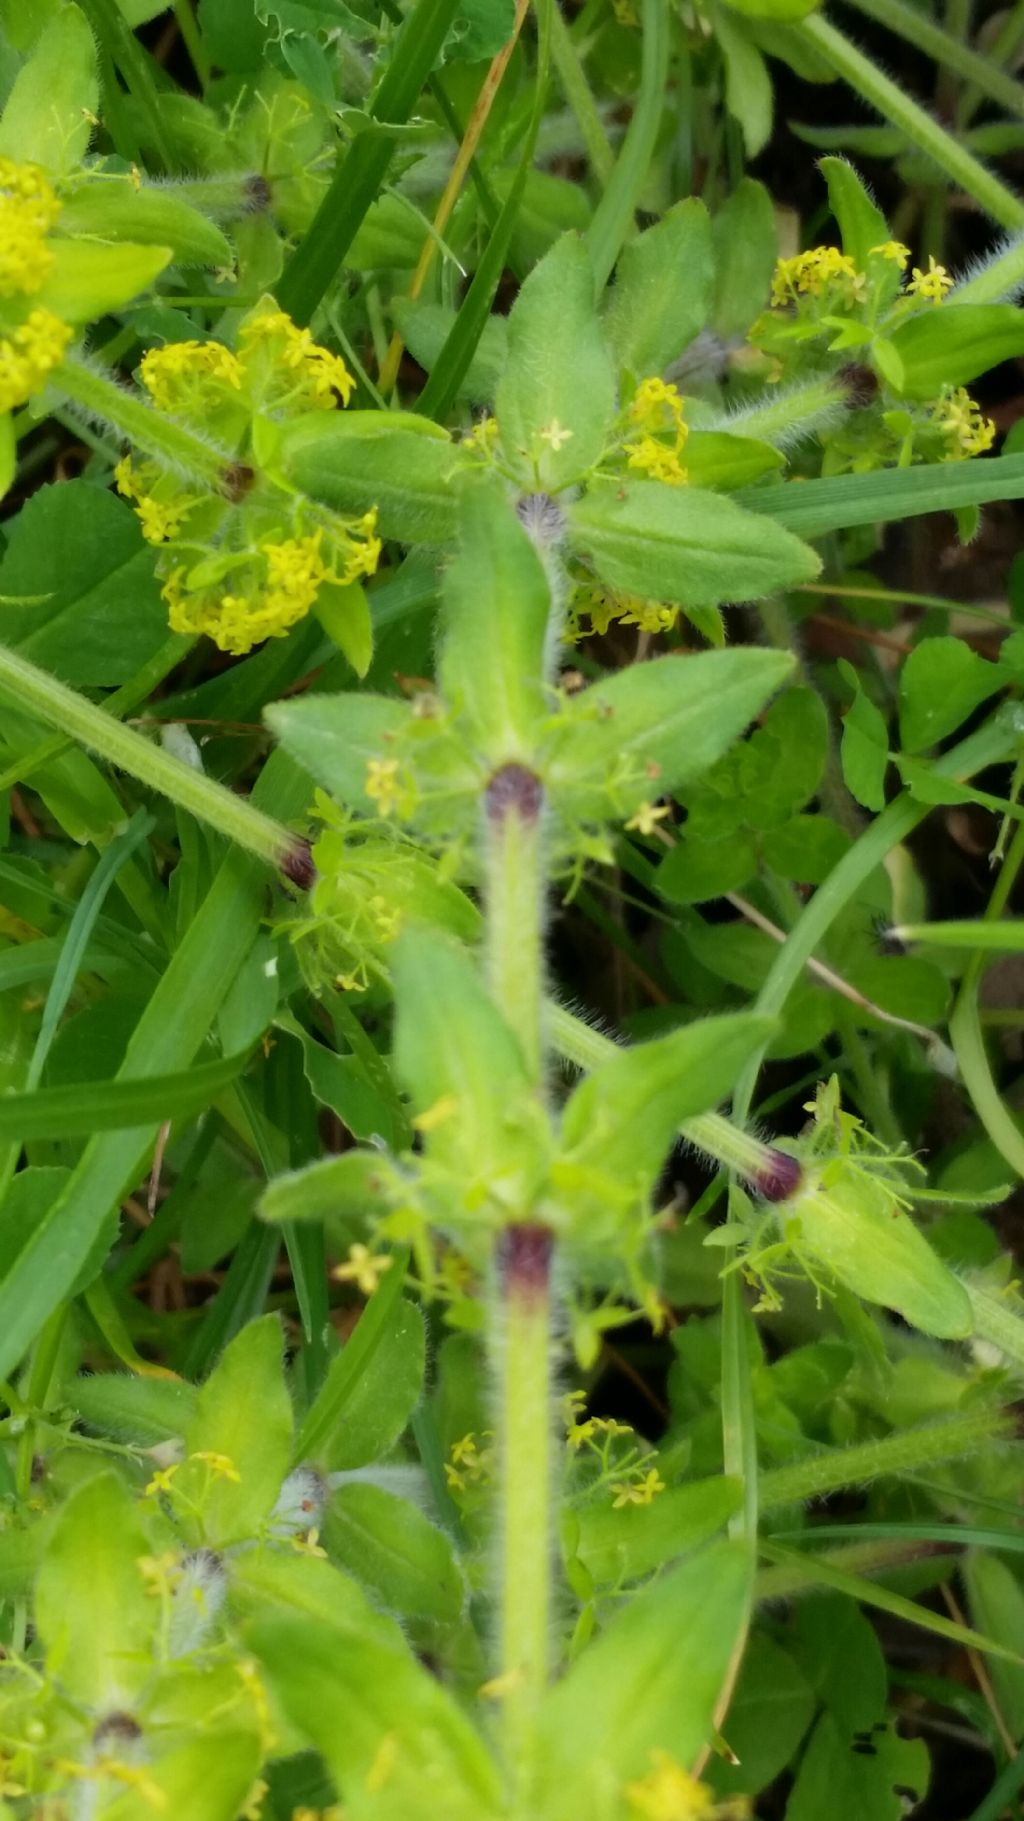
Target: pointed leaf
{"x":243,"y":1414}
{"x":556,"y":397}
{"x":47,"y":118}
{"x":92,"y":1609}
{"x":685,"y":545}
{"x":661,"y":298}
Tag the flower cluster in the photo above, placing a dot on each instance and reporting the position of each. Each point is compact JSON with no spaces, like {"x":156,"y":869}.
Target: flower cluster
{"x":812,"y":273}
{"x":595,"y":607}
{"x":28,"y":210}
{"x":964,"y":425}
{"x":656,"y":411}
{"x":670,"y":1793}
{"x":32,"y":338}
{"x":468,"y":1464}
{"x":248,"y":564}
{"x":271,"y":585}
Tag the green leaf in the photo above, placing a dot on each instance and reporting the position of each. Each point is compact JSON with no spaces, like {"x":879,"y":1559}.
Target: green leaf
{"x":243,"y":1411}
{"x":768,"y":1715}
{"x":453,"y":1047}
{"x":390,"y":1546}
{"x":748,"y":86}
{"x":620,"y":1546}
{"x":637,"y":1691}
{"x":262,"y":1579}
{"x":624,"y":1116}
{"x":89,"y":279}
{"x":47,"y":118}
{"x":374,"y":1331}
{"x":151,"y":216}
{"x":129,"y":1409}
{"x":396,"y":1714}
{"x":668,"y":720}
{"x":861,"y":224}
{"x":100,"y":616}
{"x":683,"y":545}
{"x":661,"y":298}
{"x":92,"y":1608}
{"x":558,"y":382}
{"x":997,"y":1608}
{"x":425,"y":328}
{"x":207,"y":1779}
{"x":335,"y":737}
{"x":359,"y":459}
{"x":362,"y":1418}
{"x":480,"y":30}
{"x":837,"y":1779}
{"x":816,"y":506}
{"x":857,"y":1232}
{"x":865,"y":745}
{"x":941,"y":683}
{"x":496,"y":610}
{"x":941,"y":348}
{"x":746,"y":246}
{"x":717,"y":458}
{"x":336,"y":1189}
{"x":81,"y":1108}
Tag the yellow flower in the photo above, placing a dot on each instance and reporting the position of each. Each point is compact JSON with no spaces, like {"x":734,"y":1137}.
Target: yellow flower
{"x":221,"y":1466}
{"x":28,"y":354}
{"x":382,"y":784}
{"x":274,"y":589}
{"x":159,"y":520}
{"x":932,"y":284}
{"x":160,"y":1482}
{"x":657,"y":461}
{"x":809,"y":274}
{"x":178,"y":376}
{"x":28,"y":210}
{"x":656,"y":405}
{"x":307,"y":1542}
{"x":555,"y":434}
{"x":254,"y":1800}
{"x":894,"y":250}
{"x":321,"y":377}
{"x":647,"y":817}
{"x":638,"y":1492}
{"x":968,"y":430}
{"x":363,"y":1268}
{"x":669,"y":1793}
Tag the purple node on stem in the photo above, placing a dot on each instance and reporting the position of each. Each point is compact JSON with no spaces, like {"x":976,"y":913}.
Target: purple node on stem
{"x":297,"y":865}
{"x":524,"y":1261}
{"x":779,"y":1178}
{"x":513,"y":790}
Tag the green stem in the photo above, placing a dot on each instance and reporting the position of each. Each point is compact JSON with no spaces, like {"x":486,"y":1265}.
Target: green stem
{"x":525,"y":1479}
{"x":965,"y":1031}
{"x":44,"y":1362}
{"x":37,"y":692}
{"x":578,"y":94}
{"x":118,"y":704}
{"x":613,"y":216}
{"x":100,"y":396}
{"x":120,"y":42}
{"x":905,"y":1451}
{"x":914,"y":25}
{"x":923,"y":132}
{"x":514,"y":941}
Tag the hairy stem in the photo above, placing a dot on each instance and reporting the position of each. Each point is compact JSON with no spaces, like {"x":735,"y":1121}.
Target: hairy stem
{"x":514,"y":940}
{"x":37,"y":692}
{"x":100,"y":396}
{"x":904,"y":1451}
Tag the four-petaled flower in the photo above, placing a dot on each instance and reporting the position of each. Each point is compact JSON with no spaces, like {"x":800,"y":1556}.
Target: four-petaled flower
{"x":932,"y":284}
{"x":638,"y":1492}
{"x":362,"y":1268}
{"x":555,"y":434}
{"x":647,"y":817}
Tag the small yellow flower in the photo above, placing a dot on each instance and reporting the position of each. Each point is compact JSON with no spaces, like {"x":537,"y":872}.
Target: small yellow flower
{"x":307,"y":1542}
{"x":160,"y":1482}
{"x":555,"y":434}
{"x":656,"y":405}
{"x":254,"y":1801}
{"x":382,"y":784}
{"x":669,"y":1793}
{"x":321,"y":377}
{"x":158,"y":520}
{"x":809,"y":274}
{"x":28,"y":354}
{"x":638,"y":1492}
{"x":932,"y":284}
{"x":657,"y":461}
{"x":363,"y":1268}
{"x":894,"y":250}
{"x":647,"y":817}
{"x":221,"y":1466}
{"x":28,"y":210}
{"x":968,"y":430}
{"x":178,"y":376}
